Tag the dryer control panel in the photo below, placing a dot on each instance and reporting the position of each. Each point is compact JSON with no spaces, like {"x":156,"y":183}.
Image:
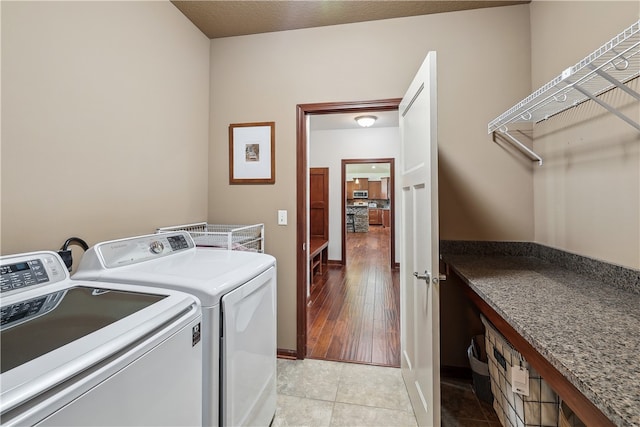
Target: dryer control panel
{"x":18,"y":272}
{"x":118,"y":253}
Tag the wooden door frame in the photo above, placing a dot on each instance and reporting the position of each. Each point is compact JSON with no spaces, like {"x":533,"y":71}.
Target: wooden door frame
{"x":302,"y":255}
{"x":392,"y":224}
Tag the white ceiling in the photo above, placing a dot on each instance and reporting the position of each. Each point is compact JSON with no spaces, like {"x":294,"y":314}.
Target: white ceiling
{"x":368,"y":168}
{"x":347,"y":120}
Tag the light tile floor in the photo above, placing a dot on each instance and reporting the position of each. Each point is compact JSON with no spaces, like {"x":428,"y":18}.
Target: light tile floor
{"x":323,"y":393}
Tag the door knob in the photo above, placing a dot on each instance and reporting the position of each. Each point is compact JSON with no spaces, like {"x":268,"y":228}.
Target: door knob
{"x":426,"y":276}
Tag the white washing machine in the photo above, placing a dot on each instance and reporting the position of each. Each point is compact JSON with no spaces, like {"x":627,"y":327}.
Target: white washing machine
{"x":238,"y":294}
{"x":88,"y":353}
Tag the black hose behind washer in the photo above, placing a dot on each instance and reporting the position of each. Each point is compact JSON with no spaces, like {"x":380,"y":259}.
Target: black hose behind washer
{"x":65,"y":253}
{"x":76,"y":240}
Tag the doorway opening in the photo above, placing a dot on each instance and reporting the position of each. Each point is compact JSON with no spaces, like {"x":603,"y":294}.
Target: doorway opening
{"x":353,"y":309}
{"x":368,"y":204}
{"x":302,"y":170}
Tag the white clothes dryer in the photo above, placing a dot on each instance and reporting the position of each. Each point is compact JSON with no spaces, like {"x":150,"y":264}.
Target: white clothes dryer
{"x":238,"y":295}
{"x":89,"y":353}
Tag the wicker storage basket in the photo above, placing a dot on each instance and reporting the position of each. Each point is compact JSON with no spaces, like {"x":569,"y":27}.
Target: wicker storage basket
{"x":539,"y":409}
{"x":223,"y":236}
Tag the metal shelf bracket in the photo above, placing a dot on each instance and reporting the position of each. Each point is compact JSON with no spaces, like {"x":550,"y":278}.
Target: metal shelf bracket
{"x":529,"y":152}
{"x":611,"y":66}
{"x":606,"y":106}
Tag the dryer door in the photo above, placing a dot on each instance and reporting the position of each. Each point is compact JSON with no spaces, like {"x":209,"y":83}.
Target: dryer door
{"x":248,"y":352}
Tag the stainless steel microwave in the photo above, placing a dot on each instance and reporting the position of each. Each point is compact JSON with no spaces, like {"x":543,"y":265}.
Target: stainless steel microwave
{"x":361,"y":194}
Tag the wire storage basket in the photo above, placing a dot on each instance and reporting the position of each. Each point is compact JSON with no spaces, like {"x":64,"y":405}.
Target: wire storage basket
{"x":223,"y":236}
{"x":537,"y":409}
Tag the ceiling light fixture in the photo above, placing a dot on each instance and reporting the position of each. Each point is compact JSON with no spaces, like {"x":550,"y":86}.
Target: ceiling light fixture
{"x":366,"y":121}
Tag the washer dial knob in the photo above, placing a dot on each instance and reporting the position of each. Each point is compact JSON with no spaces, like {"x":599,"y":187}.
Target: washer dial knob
{"x":156,"y":247}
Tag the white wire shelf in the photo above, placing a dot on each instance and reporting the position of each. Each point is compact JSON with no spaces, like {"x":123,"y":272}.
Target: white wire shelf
{"x":612,"y":65}
{"x":224,"y":236}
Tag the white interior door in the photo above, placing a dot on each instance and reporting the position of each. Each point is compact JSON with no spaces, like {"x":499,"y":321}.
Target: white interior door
{"x":419,"y":275}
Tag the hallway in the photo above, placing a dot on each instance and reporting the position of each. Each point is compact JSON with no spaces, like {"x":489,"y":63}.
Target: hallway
{"x":353,"y":313}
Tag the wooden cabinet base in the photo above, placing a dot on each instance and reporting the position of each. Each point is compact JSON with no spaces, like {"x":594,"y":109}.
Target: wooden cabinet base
{"x":375,"y":218}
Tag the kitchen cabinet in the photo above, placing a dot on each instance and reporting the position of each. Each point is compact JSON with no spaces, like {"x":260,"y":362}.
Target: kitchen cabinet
{"x":375,"y":216}
{"x":362,"y":184}
{"x":375,"y":190}
{"x":384,"y":188}
{"x":350,"y":187}
{"x":386,"y":217}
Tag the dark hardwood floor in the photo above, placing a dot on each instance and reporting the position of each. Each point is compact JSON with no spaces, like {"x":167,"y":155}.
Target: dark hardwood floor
{"x":353,"y":313}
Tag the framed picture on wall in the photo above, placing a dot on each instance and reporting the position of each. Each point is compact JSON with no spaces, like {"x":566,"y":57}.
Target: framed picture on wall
{"x":252,"y":153}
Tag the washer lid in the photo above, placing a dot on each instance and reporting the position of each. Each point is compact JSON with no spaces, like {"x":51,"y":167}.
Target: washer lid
{"x":51,"y":334}
{"x":37,"y":326}
{"x":204,"y":272}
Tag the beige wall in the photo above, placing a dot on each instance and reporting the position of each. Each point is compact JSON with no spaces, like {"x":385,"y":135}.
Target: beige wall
{"x":484,"y":65}
{"x":104,"y":121}
{"x":587,"y":193}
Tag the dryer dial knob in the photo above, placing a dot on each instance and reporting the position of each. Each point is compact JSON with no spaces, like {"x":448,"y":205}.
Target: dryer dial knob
{"x":156,"y":247}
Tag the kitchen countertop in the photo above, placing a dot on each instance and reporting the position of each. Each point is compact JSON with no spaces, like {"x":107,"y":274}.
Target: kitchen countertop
{"x":587,"y":329}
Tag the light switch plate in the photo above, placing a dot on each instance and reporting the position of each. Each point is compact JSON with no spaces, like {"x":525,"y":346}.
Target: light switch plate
{"x":282,"y":217}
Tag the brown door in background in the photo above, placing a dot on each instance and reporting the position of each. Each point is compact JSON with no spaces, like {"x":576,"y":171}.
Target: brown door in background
{"x":319,"y":202}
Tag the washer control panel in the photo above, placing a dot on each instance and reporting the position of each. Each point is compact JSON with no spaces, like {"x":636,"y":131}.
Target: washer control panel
{"x":18,"y":272}
{"x":156,"y":247}
{"x":118,"y":253}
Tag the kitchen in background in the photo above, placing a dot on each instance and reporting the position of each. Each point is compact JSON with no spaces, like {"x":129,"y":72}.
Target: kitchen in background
{"x":368,"y":196}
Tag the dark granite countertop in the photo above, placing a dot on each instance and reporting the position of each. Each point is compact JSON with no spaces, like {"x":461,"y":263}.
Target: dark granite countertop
{"x":588,"y":329}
